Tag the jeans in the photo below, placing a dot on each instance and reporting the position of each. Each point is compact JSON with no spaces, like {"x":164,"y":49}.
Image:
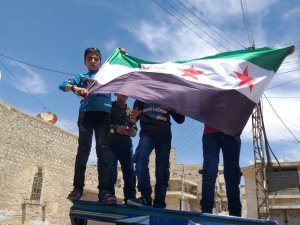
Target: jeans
{"x":162,"y":148}
{"x":123,"y":153}
{"x":89,"y":122}
{"x":212,"y":143}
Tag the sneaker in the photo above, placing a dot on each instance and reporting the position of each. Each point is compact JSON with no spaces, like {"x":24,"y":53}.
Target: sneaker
{"x":142,"y":201}
{"x":75,"y":195}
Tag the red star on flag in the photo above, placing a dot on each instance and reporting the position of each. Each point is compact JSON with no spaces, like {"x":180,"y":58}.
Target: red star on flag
{"x":191,"y":72}
{"x":245,"y":79}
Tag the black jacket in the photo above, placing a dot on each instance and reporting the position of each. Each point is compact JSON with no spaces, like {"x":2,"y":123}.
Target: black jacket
{"x":155,"y":120}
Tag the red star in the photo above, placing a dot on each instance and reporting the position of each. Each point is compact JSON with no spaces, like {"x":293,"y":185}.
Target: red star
{"x":191,"y":72}
{"x":245,"y":79}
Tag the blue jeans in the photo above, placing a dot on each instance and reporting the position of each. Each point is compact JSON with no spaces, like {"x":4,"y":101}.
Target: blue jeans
{"x":123,"y":153}
{"x":89,"y":122}
{"x":212,"y":143}
{"x":162,"y":148}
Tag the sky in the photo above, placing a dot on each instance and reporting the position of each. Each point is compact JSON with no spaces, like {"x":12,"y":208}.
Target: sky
{"x":42,"y":44}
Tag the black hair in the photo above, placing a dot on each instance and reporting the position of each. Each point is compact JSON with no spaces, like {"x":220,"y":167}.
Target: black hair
{"x":92,"y":50}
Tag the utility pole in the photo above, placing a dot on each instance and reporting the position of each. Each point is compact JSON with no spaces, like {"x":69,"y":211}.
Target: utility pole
{"x":259,"y":138}
{"x":260,"y":165}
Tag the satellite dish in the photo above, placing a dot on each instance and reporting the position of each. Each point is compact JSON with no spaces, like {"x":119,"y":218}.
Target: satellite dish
{"x":48,"y":117}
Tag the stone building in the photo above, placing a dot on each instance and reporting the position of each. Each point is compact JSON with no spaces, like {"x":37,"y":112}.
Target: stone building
{"x":37,"y":167}
{"x":283,"y":192}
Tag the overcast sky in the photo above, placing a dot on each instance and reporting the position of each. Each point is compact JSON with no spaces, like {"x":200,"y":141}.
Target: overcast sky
{"x":54,"y":34}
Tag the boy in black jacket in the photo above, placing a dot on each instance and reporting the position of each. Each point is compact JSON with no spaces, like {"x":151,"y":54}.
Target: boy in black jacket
{"x":155,"y":134}
{"x":122,"y":128}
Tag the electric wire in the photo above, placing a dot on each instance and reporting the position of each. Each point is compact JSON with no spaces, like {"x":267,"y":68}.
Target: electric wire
{"x":218,"y":31}
{"x":30,"y":94}
{"x":185,"y":24}
{"x":287,"y":82}
{"x":281,"y":120}
{"x":247,"y":25}
{"x":29,"y":64}
{"x":210,"y":36}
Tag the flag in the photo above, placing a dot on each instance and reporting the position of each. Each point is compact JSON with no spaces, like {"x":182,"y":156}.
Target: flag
{"x":219,"y":90}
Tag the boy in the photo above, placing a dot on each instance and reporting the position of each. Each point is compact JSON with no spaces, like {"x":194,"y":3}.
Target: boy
{"x":155,"y":134}
{"x":122,"y":128}
{"x":213,"y":141}
{"x":94,"y":116}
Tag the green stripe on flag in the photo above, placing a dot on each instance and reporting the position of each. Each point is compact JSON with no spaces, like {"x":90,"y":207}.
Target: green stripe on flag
{"x":118,"y":58}
{"x":267,"y":58}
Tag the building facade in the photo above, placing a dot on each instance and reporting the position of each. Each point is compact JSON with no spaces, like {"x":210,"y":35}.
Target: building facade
{"x":36,"y":169}
{"x":283,"y":192}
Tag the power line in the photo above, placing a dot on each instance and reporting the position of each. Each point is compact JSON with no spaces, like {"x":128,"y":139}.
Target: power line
{"x":281,"y":120}
{"x":30,"y":94}
{"x":215,"y":25}
{"x":210,"y":36}
{"x":197,"y":26}
{"x":247,"y":24}
{"x":296,"y":125}
{"x":29,"y":64}
{"x":279,"y":85}
{"x":185,"y":25}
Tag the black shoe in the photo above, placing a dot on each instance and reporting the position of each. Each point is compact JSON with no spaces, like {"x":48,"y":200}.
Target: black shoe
{"x":142,"y":201}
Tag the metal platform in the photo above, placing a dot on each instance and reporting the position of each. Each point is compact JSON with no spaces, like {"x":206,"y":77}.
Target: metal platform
{"x":82,"y":211}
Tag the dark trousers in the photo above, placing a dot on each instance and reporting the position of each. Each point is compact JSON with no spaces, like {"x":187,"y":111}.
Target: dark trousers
{"x":212,"y":144}
{"x":162,"y":148}
{"x":89,"y":122}
{"x":122,"y":152}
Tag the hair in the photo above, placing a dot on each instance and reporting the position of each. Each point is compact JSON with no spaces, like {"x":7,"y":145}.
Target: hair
{"x":92,"y":50}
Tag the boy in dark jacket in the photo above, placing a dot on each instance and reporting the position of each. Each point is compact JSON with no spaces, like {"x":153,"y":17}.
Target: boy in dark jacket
{"x":122,"y":128}
{"x":155,"y":134}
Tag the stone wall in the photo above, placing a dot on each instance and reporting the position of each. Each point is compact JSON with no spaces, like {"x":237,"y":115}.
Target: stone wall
{"x":27,"y":144}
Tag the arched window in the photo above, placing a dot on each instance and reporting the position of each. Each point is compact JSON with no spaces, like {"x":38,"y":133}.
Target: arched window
{"x":37,"y":185}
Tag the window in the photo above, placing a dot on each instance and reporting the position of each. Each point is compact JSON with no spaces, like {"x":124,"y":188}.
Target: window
{"x":284,"y":181}
{"x":37,"y":185}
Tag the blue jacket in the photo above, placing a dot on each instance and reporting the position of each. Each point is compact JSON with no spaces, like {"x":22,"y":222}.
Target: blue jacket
{"x":97,"y":102}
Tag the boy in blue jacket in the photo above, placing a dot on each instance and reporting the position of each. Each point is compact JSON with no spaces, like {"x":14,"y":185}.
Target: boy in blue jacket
{"x":94,"y":116}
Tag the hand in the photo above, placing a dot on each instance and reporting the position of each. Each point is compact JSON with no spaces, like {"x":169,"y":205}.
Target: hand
{"x":81,"y":91}
{"x":292,"y":50}
{"x":122,"y":50}
{"x":122,"y":129}
{"x":134,"y":114}
{"x":132,"y":132}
